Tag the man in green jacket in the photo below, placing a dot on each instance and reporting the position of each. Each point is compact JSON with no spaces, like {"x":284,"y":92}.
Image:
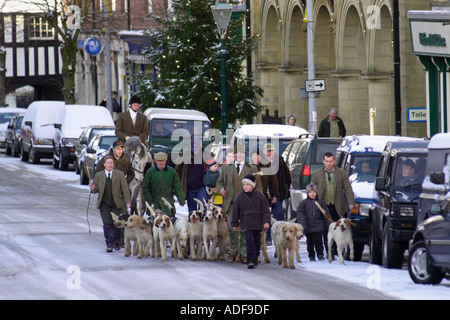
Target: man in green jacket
{"x":161,"y":181}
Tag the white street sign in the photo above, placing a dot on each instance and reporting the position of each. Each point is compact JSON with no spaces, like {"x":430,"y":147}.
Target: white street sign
{"x":315,"y":85}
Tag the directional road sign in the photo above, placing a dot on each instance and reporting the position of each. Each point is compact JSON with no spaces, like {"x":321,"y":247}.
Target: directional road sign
{"x":315,"y":85}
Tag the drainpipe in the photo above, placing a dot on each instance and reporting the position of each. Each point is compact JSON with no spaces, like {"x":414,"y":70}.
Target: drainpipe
{"x":397,"y":88}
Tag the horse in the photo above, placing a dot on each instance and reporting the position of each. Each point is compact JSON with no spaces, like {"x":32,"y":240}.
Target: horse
{"x":139,"y":155}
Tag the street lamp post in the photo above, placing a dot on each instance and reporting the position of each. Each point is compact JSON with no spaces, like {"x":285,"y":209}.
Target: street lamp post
{"x":222,"y":14}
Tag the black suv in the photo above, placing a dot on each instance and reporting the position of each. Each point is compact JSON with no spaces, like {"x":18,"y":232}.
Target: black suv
{"x":398,"y":186}
{"x":303,"y":156}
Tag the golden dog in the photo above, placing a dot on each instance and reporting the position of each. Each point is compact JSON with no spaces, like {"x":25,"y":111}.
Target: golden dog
{"x":285,"y":237}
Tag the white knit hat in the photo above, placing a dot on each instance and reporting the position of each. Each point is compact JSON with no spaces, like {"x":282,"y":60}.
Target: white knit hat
{"x":250,"y":179}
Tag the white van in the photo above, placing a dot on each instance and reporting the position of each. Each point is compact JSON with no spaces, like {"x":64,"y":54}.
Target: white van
{"x":255,"y":136}
{"x":37,"y":130}
{"x":72,"y":121}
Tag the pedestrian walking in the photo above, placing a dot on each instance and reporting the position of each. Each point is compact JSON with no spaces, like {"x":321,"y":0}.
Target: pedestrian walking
{"x":314,"y":221}
{"x":121,"y":161}
{"x":113,"y":194}
{"x":229,"y":185}
{"x":191,"y":176}
{"x":251,"y":213}
{"x":334,"y":188}
{"x":332,"y":126}
{"x":161,"y":181}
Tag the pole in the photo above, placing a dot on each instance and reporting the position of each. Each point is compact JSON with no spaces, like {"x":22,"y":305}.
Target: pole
{"x":223,"y":88}
{"x":108,"y":60}
{"x":397,"y":88}
{"x":312,"y":127}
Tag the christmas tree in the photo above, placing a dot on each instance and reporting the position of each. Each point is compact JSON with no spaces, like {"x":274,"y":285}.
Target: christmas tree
{"x":185,"y":54}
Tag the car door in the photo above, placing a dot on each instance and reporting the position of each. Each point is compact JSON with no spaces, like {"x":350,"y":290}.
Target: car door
{"x":439,"y":242}
{"x":298,"y":154}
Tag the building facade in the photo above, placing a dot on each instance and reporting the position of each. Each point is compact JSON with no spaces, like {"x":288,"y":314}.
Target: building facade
{"x":353,"y":53}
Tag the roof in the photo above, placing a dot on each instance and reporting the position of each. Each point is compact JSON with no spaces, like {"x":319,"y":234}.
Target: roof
{"x":440,"y":141}
{"x":175,"y":114}
{"x":269,"y":130}
{"x":368,"y":143}
{"x":10,"y":110}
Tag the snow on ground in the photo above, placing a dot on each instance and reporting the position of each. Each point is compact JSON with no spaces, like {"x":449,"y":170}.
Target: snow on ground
{"x":395,"y":283}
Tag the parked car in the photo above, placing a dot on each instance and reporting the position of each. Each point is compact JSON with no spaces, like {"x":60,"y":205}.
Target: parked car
{"x":83,"y":140}
{"x":13,"y":135}
{"x":429,"y":248}
{"x":71,"y":122}
{"x":255,"y":136}
{"x":6,"y":114}
{"x":37,"y":131}
{"x":97,"y":148}
{"x":303,"y":156}
{"x":162,"y":122}
{"x":359,"y":156}
{"x":398,"y":186}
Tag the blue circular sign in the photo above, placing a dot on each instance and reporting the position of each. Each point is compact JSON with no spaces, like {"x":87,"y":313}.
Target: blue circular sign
{"x":93,"y":46}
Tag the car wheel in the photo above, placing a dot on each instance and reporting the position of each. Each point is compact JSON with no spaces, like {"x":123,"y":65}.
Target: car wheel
{"x":83,"y":177}
{"x":23,"y":154}
{"x":392,"y":251}
{"x":375,"y":255}
{"x":15,"y":150}
{"x":33,"y":158}
{"x":8,"y":149}
{"x":419,"y":267}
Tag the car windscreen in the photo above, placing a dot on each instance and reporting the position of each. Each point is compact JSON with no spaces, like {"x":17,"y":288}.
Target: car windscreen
{"x":410,"y":170}
{"x":6,"y":117}
{"x":320,"y":148}
{"x":363,"y":167}
{"x":165,"y":127}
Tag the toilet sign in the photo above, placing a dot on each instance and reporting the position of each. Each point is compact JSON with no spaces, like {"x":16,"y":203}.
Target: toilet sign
{"x":417,"y":114}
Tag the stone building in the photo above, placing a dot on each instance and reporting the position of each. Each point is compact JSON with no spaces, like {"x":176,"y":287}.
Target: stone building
{"x":353,"y":48}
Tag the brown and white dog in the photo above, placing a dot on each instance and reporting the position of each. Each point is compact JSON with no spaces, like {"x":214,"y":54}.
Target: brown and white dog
{"x":209,"y":235}
{"x":182,"y":236}
{"x":128,"y":234}
{"x":163,"y":233}
{"x":339,"y":231}
{"x":223,"y":237}
{"x":285,"y":236}
{"x":144,"y":234}
{"x":195,"y":219}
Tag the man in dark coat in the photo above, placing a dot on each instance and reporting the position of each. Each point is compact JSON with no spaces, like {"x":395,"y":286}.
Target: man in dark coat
{"x":332,"y":126}
{"x":132,"y":122}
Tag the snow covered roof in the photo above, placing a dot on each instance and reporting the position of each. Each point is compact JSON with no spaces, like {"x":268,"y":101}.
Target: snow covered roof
{"x":440,"y":141}
{"x":175,"y":114}
{"x":368,"y":143}
{"x":269,"y":130}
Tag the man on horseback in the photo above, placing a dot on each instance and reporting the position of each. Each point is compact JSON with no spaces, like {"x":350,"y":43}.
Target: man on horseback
{"x":132,"y":122}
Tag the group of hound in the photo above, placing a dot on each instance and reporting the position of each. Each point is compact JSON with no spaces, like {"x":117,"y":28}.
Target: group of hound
{"x":207,"y":228}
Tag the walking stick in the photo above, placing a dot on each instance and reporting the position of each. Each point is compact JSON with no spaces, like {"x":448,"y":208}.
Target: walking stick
{"x":89,"y":200}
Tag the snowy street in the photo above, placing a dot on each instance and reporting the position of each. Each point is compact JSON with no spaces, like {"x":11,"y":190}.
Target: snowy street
{"x":48,"y":253}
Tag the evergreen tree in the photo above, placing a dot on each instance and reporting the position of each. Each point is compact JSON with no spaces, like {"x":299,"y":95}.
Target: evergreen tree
{"x":185,"y":53}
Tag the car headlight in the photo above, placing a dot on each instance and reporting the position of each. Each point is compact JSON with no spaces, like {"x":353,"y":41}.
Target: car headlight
{"x":406,"y":211}
{"x":68,"y":142}
{"x":361,"y":209}
{"x":43,"y":141}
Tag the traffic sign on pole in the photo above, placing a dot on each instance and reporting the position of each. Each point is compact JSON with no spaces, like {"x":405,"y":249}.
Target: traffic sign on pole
{"x":315,"y":85}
